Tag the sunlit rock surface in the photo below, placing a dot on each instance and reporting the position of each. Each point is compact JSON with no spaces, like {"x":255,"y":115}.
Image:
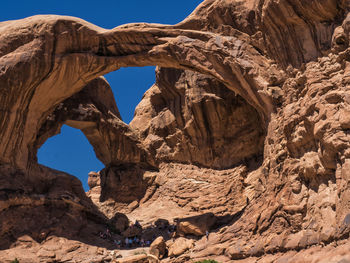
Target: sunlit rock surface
{"x":243,"y":142}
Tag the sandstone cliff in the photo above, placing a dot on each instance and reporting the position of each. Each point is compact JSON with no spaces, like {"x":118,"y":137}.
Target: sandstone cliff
{"x":245,"y":133}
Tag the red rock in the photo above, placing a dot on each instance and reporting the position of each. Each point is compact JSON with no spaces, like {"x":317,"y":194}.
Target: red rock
{"x":248,"y":120}
{"x":132,"y":231}
{"x":180,"y":246}
{"x":196,"y":225}
{"x":158,"y":247}
{"x":143,"y":258}
{"x":119,"y":222}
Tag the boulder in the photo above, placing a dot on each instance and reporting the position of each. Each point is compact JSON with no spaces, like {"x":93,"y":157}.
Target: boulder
{"x":196,"y":225}
{"x":119,"y":222}
{"x":132,"y":231}
{"x":142,"y":258}
{"x":94,"y":179}
{"x":158,"y":247}
{"x":180,"y":246}
{"x":161,"y":223}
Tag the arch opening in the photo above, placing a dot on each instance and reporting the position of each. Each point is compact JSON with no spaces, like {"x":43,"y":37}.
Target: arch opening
{"x":128,"y":86}
{"x":156,"y":45}
{"x":70,"y":152}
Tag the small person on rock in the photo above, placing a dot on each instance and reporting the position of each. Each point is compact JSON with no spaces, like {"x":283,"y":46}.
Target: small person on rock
{"x":127,"y":242}
{"x":108,"y":233}
{"x":137,"y":224}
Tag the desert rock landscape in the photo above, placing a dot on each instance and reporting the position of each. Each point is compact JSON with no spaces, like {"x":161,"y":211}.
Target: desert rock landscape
{"x":239,"y":152}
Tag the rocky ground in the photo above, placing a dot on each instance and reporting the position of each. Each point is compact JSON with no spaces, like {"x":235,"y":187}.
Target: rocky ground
{"x":240,"y":152}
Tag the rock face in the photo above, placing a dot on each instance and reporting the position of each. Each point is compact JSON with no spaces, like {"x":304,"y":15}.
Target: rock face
{"x":189,"y":117}
{"x":247,"y":126}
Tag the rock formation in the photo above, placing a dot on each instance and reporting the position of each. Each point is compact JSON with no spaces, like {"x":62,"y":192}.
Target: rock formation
{"x":185,"y":112}
{"x":245,"y":134}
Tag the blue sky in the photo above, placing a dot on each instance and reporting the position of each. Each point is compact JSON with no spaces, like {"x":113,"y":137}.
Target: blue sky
{"x":70,"y":151}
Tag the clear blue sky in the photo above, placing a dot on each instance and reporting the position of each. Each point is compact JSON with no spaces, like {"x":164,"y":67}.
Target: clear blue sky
{"x":70,"y":151}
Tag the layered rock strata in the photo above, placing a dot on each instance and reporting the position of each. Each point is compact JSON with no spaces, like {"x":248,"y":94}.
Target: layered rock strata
{"x":188,"y":117}
{"x":247,"y":126}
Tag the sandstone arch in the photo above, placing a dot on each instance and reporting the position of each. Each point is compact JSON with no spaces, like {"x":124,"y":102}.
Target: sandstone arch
{"x":57,"y":56}
{"x":93,"y":110}
{"x":294,"y":51}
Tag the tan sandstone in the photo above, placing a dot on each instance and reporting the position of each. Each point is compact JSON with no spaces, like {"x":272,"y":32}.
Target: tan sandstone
{"x":248,"y":122}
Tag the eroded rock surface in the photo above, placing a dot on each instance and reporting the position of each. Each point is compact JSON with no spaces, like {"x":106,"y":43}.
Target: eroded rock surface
{"x":93,"y":110}
{"x":191,"y":118}
{"x":247,"y":127}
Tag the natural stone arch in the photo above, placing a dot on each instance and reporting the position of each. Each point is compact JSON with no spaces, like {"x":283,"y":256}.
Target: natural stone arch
{"x":93,"y":110}
{"x":66,"y":53}
{"x":291,"y":188}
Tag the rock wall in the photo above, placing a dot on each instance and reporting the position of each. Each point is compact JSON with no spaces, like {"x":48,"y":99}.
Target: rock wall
{"x":191,"y":118}
{"x":248,"y":120}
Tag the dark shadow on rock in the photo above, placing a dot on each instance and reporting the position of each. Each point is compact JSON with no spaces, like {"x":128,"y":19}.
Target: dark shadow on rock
{"x":200,"y":224}
{"x":45,"y":202}
{"x":125,"y":183}
{"x":161,"y":227}
{"x":314,"y":182}
{"x":228,"y":220}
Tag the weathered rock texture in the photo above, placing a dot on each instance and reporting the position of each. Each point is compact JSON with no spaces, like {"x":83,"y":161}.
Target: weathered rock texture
{"x":188,"y":117}
{"x":247,"y":127}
